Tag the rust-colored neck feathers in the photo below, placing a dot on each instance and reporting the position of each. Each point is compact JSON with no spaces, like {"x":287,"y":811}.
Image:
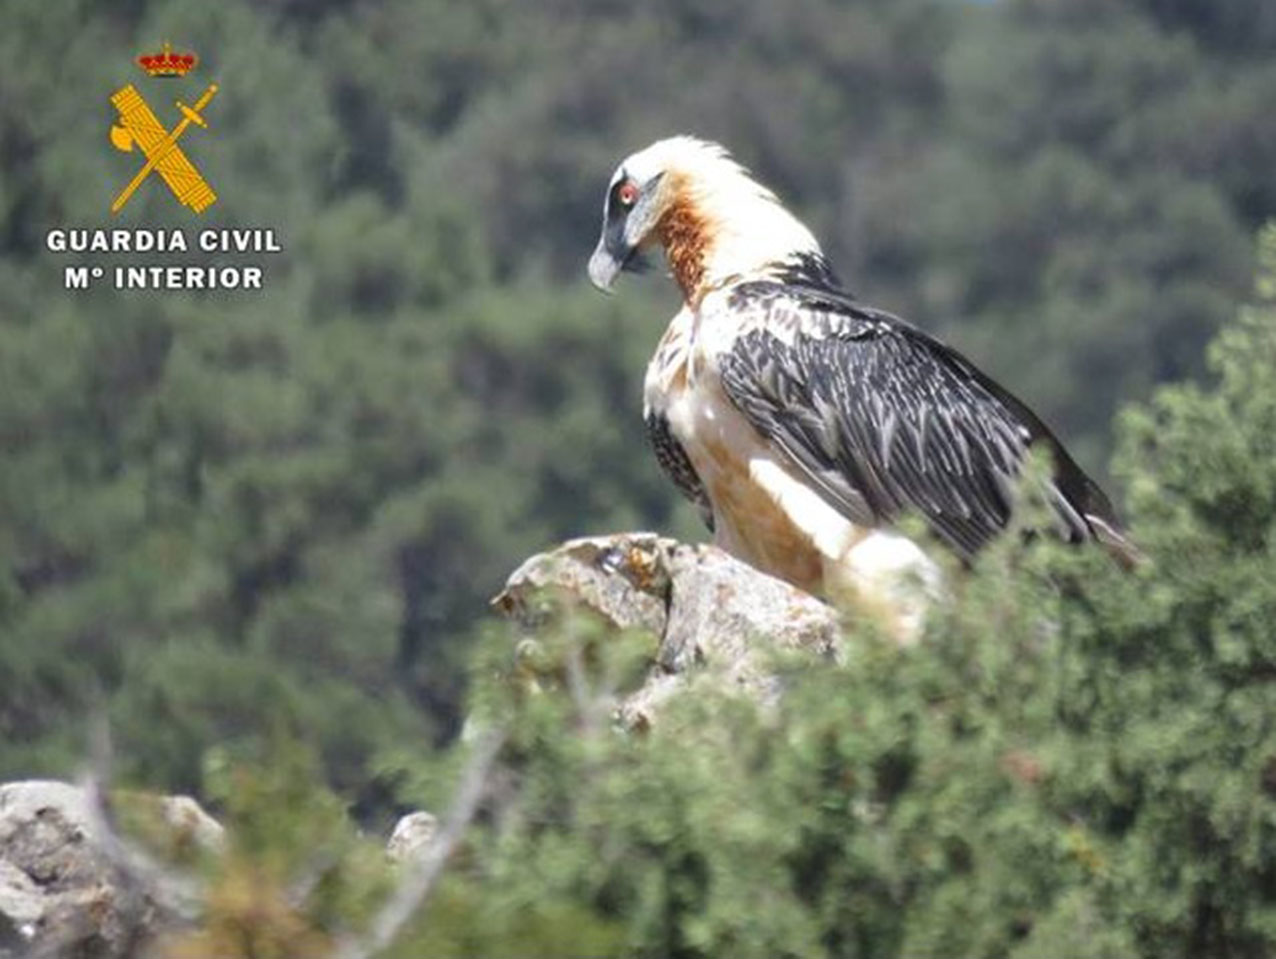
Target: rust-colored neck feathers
{"x":684,"y":233}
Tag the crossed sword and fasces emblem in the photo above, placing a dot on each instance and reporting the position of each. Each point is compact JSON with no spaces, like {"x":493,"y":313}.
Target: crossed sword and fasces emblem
{"x":141,"y":127}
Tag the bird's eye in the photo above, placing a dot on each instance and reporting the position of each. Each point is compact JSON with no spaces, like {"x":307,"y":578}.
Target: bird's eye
{"x":627,"y":194}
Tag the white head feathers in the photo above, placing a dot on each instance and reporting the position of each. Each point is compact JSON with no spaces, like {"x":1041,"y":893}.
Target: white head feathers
{"x":714,"y":221}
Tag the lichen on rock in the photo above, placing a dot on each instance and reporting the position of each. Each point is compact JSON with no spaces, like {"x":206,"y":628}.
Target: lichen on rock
{"x":714,"y":617}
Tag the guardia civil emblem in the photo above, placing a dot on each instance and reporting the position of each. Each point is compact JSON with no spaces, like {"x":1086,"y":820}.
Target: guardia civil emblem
{"x":140,"y":127}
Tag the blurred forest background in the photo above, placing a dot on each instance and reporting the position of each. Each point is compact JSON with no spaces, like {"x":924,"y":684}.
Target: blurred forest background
{"x":216,"y":509}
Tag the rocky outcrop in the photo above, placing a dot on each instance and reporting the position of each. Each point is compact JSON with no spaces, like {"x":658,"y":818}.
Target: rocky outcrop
{"x":69,"y":886}
{"x":73,"y":887}
{"x":712,"y":615}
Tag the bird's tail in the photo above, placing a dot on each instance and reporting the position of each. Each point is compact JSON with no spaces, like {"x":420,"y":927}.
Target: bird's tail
{"x":1119,"y":545}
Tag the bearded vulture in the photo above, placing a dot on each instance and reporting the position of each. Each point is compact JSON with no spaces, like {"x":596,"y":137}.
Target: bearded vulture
{"x":801,"y":422}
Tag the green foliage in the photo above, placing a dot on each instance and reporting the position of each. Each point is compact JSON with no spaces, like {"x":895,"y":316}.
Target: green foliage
{"x":464,"y":920}
{"x":293,"y":877}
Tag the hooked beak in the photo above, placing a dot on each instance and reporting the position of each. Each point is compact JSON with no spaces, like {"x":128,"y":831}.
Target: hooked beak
{"x":604,"y":267}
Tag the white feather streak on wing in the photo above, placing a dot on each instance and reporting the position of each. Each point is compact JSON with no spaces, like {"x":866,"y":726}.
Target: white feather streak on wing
{"x":891,"y":567}
{"x":749,"y":522}
{"x":829,"y":531}
{"x":882,"y":566}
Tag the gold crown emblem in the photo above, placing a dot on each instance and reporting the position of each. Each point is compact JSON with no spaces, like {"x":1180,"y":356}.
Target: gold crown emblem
{"x":167,"y":63}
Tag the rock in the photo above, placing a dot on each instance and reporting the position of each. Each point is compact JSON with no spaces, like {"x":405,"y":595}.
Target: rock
{"x":62,"y":893}
{"x":412,"y":834}
{"x":712,"y":614}
{"x":623,"y":578}
{"x":189,"y":823}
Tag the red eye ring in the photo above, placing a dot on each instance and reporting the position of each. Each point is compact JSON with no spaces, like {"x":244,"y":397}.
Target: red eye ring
{"x":627,"y":194}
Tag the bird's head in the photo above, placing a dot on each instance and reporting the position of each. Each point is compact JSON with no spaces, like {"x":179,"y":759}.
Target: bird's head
{"x":714,"y":222}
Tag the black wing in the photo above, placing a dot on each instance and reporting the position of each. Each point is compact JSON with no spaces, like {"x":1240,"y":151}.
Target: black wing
{"x":883,"y":418}
{"x":674,"y":460}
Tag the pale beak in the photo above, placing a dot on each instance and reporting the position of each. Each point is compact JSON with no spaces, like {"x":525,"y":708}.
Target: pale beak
{"x":603,"y":267}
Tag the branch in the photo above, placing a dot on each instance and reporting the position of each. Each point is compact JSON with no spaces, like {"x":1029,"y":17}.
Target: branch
{"x":139,"y":871}
{"x":418,"y":883}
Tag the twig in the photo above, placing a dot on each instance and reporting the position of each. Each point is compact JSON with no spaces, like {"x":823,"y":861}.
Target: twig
{"x":418,"y":883}
{"x":139,"y":872}
{"x":579,"y":685}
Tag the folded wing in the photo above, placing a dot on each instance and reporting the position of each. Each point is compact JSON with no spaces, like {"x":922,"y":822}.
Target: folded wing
{"x":883,"y":419}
